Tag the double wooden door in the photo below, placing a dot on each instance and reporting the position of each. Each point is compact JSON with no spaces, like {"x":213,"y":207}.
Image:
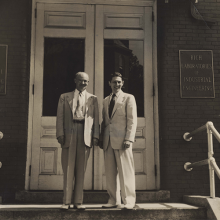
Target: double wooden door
{"x":97,"y":39}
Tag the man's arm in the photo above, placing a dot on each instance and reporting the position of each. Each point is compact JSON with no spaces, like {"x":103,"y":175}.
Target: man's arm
{"x":59,"y":121}
{"x":102,"y":128}
{"x":96,"y":122}
{"x":131,"y":109}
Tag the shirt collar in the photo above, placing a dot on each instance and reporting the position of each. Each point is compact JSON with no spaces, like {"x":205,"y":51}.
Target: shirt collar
{"x":77,"y":92}
{"x":117,"y":94}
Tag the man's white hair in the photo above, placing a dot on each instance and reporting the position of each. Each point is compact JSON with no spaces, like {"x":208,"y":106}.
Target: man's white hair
{"x":81,"y":73}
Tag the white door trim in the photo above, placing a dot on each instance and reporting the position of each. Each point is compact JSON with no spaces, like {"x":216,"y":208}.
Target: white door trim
{"x":31,"y":98}
{"x":156,"y":104}
{"x":102,"y":2}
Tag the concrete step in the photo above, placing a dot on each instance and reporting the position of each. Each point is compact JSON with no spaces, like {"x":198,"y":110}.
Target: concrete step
{"x":148,"y":211}
{"x":56,"y":197}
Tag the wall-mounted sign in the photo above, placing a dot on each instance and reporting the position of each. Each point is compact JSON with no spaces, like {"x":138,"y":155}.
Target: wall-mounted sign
{"x":196,"y":74}
{"x":3,"y":68}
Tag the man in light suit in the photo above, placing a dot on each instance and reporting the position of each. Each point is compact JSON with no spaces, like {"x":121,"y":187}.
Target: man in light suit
{"x":77,"y":130}
{"x":117,"y":136}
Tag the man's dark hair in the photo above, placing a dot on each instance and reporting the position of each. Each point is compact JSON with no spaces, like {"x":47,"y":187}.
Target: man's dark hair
{"x":115,"y":74}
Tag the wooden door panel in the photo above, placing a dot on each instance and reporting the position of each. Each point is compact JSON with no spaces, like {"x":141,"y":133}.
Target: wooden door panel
{"x":48,"y":163}
{"x":124,"y":25}
{"x":121,"y":27}
{"x":62,"y":30}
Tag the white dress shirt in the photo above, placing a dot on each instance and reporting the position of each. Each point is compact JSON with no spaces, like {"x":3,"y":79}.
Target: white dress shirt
{"x":75,"y":98}
{"x":116,"y":96}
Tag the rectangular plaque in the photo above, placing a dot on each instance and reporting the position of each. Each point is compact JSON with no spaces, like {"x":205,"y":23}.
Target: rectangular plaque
{"x":3,"y":68}
{"x":196,"y":74}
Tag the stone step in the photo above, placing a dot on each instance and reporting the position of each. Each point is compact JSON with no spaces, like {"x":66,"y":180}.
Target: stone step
{"x":55,"y":197}
{"x":149,"y":211}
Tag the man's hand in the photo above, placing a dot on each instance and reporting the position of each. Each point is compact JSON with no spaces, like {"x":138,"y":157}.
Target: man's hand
{"x":95,"y":141}
{"x":61,"y":139}
{"x":127,"y":144}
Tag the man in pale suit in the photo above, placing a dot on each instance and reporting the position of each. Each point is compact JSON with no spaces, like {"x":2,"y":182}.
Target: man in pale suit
{"x":117,"y":136}
{"x":77,"y":130}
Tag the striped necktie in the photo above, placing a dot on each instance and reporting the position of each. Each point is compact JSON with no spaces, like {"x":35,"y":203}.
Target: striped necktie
{"x":79,"y":108}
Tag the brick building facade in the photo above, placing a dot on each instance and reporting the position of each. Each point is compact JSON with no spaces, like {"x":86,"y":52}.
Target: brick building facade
{"x":176,"y":30}
{"x":15,"y":26}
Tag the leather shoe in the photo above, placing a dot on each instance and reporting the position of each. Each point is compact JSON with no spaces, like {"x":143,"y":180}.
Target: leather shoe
{"x":120,"y":206}
{"x":65,"y":207}
{"x":109,"y":206}
{"x":129,"y":206}
{"x":79,"y":206}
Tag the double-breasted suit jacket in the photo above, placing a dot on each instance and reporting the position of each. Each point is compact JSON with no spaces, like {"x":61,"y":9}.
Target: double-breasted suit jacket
{"x":123,"y":122}
{"x":65,"y":118}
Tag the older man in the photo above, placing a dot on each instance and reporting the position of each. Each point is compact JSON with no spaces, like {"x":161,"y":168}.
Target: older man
{"x":77,"y":130}
{"x":117,"y":135}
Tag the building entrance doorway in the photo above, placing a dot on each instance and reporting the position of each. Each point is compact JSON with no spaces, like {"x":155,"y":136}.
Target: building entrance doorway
{"x":97,"y":39}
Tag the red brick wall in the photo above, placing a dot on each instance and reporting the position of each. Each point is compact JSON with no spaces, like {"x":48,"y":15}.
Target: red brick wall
{"x":15,"y":23}
{"x":178,"y":30}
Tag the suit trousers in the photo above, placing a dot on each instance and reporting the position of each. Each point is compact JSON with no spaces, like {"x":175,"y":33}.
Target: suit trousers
{"x":119,"y":167}
{"x":74,"y":162}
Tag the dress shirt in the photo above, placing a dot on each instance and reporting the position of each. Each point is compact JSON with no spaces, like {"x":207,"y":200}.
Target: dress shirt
{"x":75,"y":99}
{"x":116,"y":97}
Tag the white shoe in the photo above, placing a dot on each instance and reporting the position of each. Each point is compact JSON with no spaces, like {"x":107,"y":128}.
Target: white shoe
{"x":129,"y":206}
{"x":120,"y":206}
{"x":79,"y":206}
{"x":109,"y":206}
{"x":65,"y":207}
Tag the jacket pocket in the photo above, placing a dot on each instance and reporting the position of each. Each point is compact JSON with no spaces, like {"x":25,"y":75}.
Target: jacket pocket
{"x":120,"y":111}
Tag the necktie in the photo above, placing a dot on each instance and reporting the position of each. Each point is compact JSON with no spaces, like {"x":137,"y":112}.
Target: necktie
{"x":111,"y":105}
{"x":79,"y":108}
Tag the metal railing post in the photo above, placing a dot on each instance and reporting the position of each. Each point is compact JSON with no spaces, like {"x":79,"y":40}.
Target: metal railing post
{"x":210,"y":155}
{"x":213,"y":167}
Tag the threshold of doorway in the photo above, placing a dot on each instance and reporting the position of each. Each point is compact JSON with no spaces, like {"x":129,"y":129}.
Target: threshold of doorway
{"x":94,"y":197}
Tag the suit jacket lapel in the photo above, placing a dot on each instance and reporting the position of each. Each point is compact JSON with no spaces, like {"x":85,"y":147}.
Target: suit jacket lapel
{"x":87,"y":100}
{"x":118,"y":101}
{"x":107,"y":102}
{"x":69,"y":99}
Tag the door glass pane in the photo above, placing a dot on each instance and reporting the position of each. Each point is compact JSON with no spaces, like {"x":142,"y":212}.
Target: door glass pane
{"x":63,"y":58}
{"x":126,"y":57}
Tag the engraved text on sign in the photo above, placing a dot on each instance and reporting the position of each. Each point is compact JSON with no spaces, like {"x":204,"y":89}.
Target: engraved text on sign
{"x":196,"y":74}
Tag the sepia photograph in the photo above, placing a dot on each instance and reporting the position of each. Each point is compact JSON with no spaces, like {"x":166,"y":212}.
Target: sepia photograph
{"x":110,"y":109}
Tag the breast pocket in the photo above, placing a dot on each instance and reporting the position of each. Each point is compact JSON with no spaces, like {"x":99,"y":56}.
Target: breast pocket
{"x":120,"y":111}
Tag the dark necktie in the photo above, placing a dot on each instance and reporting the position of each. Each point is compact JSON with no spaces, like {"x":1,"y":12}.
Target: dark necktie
{"x":111,"y":105}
